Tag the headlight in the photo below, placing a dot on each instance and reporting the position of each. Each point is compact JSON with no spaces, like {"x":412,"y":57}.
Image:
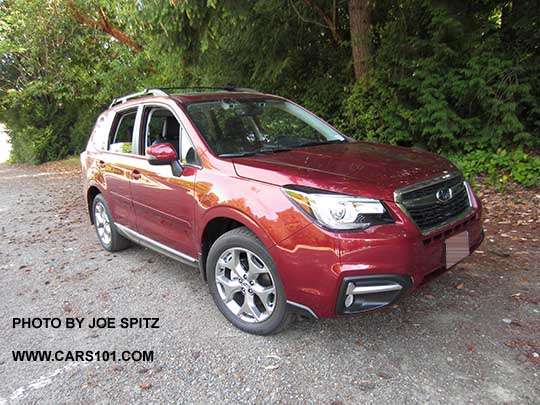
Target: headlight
{"x":338,"y":211}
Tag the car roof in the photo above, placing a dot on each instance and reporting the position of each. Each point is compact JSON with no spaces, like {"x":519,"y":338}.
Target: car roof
{"x":188,"y":97}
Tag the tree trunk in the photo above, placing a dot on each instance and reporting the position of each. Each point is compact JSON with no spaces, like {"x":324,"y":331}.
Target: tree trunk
{"x":104,"y":25}
{"x":331,"y":22}
{"x":360,"y":22}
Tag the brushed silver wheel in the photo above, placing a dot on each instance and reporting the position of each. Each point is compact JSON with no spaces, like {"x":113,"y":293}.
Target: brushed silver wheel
{"x":103,"y":223}
{"x":245,"y":285}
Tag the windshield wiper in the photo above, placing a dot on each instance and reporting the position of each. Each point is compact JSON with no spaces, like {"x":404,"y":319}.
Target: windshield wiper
{"x":274,"y":150}
{"x":238,"y":154}
{"x":317,"y":143}
{"x":251,"y":153}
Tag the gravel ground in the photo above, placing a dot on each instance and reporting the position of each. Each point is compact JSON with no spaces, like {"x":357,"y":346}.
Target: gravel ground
{"x":471,"y":336}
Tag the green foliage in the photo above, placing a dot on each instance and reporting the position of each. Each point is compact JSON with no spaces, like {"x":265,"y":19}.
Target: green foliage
{"x":459,"y":78}
{"x":52,"y":70}
{"x":501,"y":166}
{"x":446,"y":86}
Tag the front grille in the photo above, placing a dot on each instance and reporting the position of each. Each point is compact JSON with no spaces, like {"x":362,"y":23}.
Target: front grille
{"x":432,"y":189}
{"x":427,"y":211}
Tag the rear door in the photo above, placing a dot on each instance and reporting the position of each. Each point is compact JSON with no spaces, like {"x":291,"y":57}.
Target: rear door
{"x":117,"y":164}
{"x":164,"y":204}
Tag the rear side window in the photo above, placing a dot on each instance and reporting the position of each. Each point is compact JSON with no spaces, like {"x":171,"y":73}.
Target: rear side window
{"x":99,"y":136}
{"x":122,"y":133}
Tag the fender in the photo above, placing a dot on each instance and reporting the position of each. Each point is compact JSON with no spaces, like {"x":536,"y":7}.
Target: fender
{"x":95,"y":178}
{"x":224,"y":211}
{"x":94,"y":183}
{"x":87,"y":187}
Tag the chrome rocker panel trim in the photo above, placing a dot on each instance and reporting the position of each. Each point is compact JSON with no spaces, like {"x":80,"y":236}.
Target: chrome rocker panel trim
{"x":303,"y":309}
{"x":186,"y":259}
{"x":156,"y":246}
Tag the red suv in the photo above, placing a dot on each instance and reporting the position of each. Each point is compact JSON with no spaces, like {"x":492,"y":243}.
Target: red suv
{"x":280,"y":211}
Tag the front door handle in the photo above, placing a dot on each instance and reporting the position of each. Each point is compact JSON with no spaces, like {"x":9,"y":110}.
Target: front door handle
{"x":135,"y":175}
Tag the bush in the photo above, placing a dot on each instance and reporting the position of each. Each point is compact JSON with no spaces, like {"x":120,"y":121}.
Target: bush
{"x":454,"y":87}
{"x":437,"y":85}
{"x":457,"y":78}
{"x":501,"y":166}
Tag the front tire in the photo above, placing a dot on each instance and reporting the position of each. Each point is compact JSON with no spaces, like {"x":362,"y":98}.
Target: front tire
{"x":245,"y":285}
{"x":106,"y":230}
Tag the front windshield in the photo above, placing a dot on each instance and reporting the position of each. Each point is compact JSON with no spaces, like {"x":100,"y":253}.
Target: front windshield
{"x":236,"y":127}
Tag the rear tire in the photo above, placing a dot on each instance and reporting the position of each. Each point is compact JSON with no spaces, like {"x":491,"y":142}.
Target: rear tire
{"x":106,"y":230}
{"x":245,"y":285}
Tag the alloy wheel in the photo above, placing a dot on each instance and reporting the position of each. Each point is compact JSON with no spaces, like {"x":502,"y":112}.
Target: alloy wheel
{"x":245,"y":285}
{"x":103,"y":223}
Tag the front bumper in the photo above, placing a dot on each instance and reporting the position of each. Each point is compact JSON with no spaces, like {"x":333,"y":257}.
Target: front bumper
{"x":317,"y":267}
{"x":359,"y":294}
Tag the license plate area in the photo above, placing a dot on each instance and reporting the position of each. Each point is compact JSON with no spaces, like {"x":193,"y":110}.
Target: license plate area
{"x":456,"y":248}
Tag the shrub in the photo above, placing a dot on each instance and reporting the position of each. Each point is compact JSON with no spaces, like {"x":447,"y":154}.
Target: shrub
{"x":501,"y":166}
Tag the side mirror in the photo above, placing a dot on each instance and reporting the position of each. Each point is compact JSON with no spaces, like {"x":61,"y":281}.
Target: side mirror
{"x":161,"y":154}
{"x":164,"y":154}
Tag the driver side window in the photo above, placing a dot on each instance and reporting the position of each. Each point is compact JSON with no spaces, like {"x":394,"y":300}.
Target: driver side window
{"x":161,"y":126}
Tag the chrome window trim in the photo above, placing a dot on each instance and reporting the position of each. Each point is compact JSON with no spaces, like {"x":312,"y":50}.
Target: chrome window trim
{"x":398,"y":194}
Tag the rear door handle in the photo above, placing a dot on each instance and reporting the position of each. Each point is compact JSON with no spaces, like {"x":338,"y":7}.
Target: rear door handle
{"x":135,"y":175}
{"x":101,"y":164}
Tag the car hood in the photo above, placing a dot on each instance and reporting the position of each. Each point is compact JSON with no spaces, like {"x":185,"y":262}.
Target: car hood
{"x":357,"y":168}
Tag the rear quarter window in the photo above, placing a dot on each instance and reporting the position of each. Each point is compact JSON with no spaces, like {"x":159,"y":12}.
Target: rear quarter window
{"x":121,"y":135}
{"x":122,"y":132}
{"x":100,"y":133}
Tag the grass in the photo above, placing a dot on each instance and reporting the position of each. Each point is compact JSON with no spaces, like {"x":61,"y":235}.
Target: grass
{"x":69,"y":163}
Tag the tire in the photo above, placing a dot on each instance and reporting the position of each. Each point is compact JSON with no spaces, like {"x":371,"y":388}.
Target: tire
{"x":245,"y":285}
{"x":106,"y":230}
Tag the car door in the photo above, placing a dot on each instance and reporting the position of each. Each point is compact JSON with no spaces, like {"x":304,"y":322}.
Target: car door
{"x":117,"y":164}
{"x":164,"y":204}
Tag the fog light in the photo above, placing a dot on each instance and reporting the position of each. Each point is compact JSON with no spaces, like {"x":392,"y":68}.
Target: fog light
{"x":349,"y":300}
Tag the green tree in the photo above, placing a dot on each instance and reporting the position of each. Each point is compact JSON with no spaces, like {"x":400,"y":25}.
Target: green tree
{"x":453,"y":77}
{"x":52,"y":70}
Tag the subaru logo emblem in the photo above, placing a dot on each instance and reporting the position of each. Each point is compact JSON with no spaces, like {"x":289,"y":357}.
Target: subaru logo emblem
{"x":444,"y":195}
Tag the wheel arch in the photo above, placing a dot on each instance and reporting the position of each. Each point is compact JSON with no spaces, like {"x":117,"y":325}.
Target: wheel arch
{"x":91,"y":193}
{"x":221,"y":220}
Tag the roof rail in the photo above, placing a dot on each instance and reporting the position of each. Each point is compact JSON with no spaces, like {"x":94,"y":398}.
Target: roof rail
{"x":222,"y":88}
{"x":145,"y":92}
{"x":162,"y":91}
{"x":244,"y":90}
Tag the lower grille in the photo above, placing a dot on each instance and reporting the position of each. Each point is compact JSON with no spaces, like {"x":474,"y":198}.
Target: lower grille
{"x":436,"y":203}
{"x":366,"y":293}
